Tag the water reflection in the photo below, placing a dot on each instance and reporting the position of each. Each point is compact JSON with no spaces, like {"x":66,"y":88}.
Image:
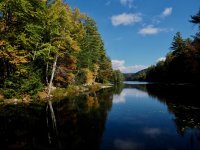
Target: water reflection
{"x":22,"y":127}
{"x":81,"y":120}
{"x":182,"y":101}
{"x":127,"y":144}
{"x":121,"y":98}
{"x":80,"y":123}
{"x":153,"y":116}
{"x":125,"y":117}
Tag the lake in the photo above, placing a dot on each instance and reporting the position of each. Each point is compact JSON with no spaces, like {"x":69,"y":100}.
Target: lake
{"x":131,"y":116}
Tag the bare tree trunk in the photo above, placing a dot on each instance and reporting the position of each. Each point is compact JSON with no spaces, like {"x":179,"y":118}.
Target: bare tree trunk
{"x":49,"y":104}
{"x":52,"y":128}
{"x":52,"y":115}
{"x":52,"y":75}
{"x":47,"y":69}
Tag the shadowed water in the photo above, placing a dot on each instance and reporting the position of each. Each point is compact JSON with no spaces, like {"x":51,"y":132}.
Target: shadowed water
{"x":126,"y":117}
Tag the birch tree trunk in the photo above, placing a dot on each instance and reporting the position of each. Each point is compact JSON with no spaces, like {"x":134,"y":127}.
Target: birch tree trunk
{"x":49,"y":104}
{"x":52,"y":75}
{"x":47,"y":69}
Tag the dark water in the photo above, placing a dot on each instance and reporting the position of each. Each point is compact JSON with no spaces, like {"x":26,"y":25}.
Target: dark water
{"x":132,"y":116}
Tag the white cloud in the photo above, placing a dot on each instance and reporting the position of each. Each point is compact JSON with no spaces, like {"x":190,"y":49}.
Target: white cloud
{"x":126,"y":19}
{"x":120,"y":65}
{"x":133,"y":69}
{"x":117,"y":99}
{"x":161,"y":59}
{"x":152,"y":132}
{"x":150,"y":30}
{"x":128,"y":3}
{"x":167,"y":12}
{"x":128,"y":92}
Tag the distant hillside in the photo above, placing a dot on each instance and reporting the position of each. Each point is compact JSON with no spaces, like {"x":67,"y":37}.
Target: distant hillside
{"x":138,"y":76}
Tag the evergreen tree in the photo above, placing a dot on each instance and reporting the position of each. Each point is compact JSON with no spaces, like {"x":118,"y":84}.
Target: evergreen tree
{"x":46,"y":43}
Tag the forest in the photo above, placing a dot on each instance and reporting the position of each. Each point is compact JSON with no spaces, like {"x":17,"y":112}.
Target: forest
{"x":45,"y":43}
{"x":182,"y":63}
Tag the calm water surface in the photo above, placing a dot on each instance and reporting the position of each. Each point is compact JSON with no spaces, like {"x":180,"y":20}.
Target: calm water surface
{"x":133,"y":116}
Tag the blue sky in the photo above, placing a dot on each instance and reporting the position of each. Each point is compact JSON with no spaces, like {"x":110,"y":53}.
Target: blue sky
{"x":137,"y":33}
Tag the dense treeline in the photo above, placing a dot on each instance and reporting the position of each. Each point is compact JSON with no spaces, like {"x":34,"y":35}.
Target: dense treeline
{"x":45,"y":43}
{"x":140,"y":75}
{"x":182,"y":63}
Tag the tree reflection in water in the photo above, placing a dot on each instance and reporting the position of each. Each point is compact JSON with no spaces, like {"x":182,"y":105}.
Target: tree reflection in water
{"x":80,"y":123}
{"x":81,"y":119}
{"x":183,"y":102}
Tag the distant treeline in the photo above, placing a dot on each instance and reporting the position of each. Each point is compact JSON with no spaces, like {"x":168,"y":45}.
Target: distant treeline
{"x":182,"y":63}
{"x":138,"y":76}
{"x":45,"y":42}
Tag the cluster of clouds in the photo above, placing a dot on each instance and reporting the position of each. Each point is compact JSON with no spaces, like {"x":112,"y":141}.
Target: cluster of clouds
{"x":133,"y":18}
{"x":127,"y":19}
{"x":120,"y":65}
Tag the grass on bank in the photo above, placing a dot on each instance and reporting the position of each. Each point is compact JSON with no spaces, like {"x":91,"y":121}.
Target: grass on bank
{"x":56,"y":94}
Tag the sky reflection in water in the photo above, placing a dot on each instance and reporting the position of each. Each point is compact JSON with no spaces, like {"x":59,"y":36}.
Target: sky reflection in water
{"x":136,"y":117}
{"x":140,"y":119}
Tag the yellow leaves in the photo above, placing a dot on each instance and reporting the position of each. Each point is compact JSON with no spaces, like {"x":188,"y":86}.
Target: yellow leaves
{"x":63,"y":76}
{"x":92,"y":102}
{"x":66,"y":27}
{"x":60,"y":79}
{"x":14,"y":56}
{"x":19,"y":60}
{"x":96,"y":68}
{"x":88,"y":76}
{"x":75,"y":46}
{"x":2,"y":43}
{"x":70,"y":78}
{"x":77,"y":14}
{"x":72,"y":59}
{"x":96,"y":71}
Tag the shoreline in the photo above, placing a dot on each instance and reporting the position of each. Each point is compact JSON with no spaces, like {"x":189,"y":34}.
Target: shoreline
{"x":57,"y":94}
